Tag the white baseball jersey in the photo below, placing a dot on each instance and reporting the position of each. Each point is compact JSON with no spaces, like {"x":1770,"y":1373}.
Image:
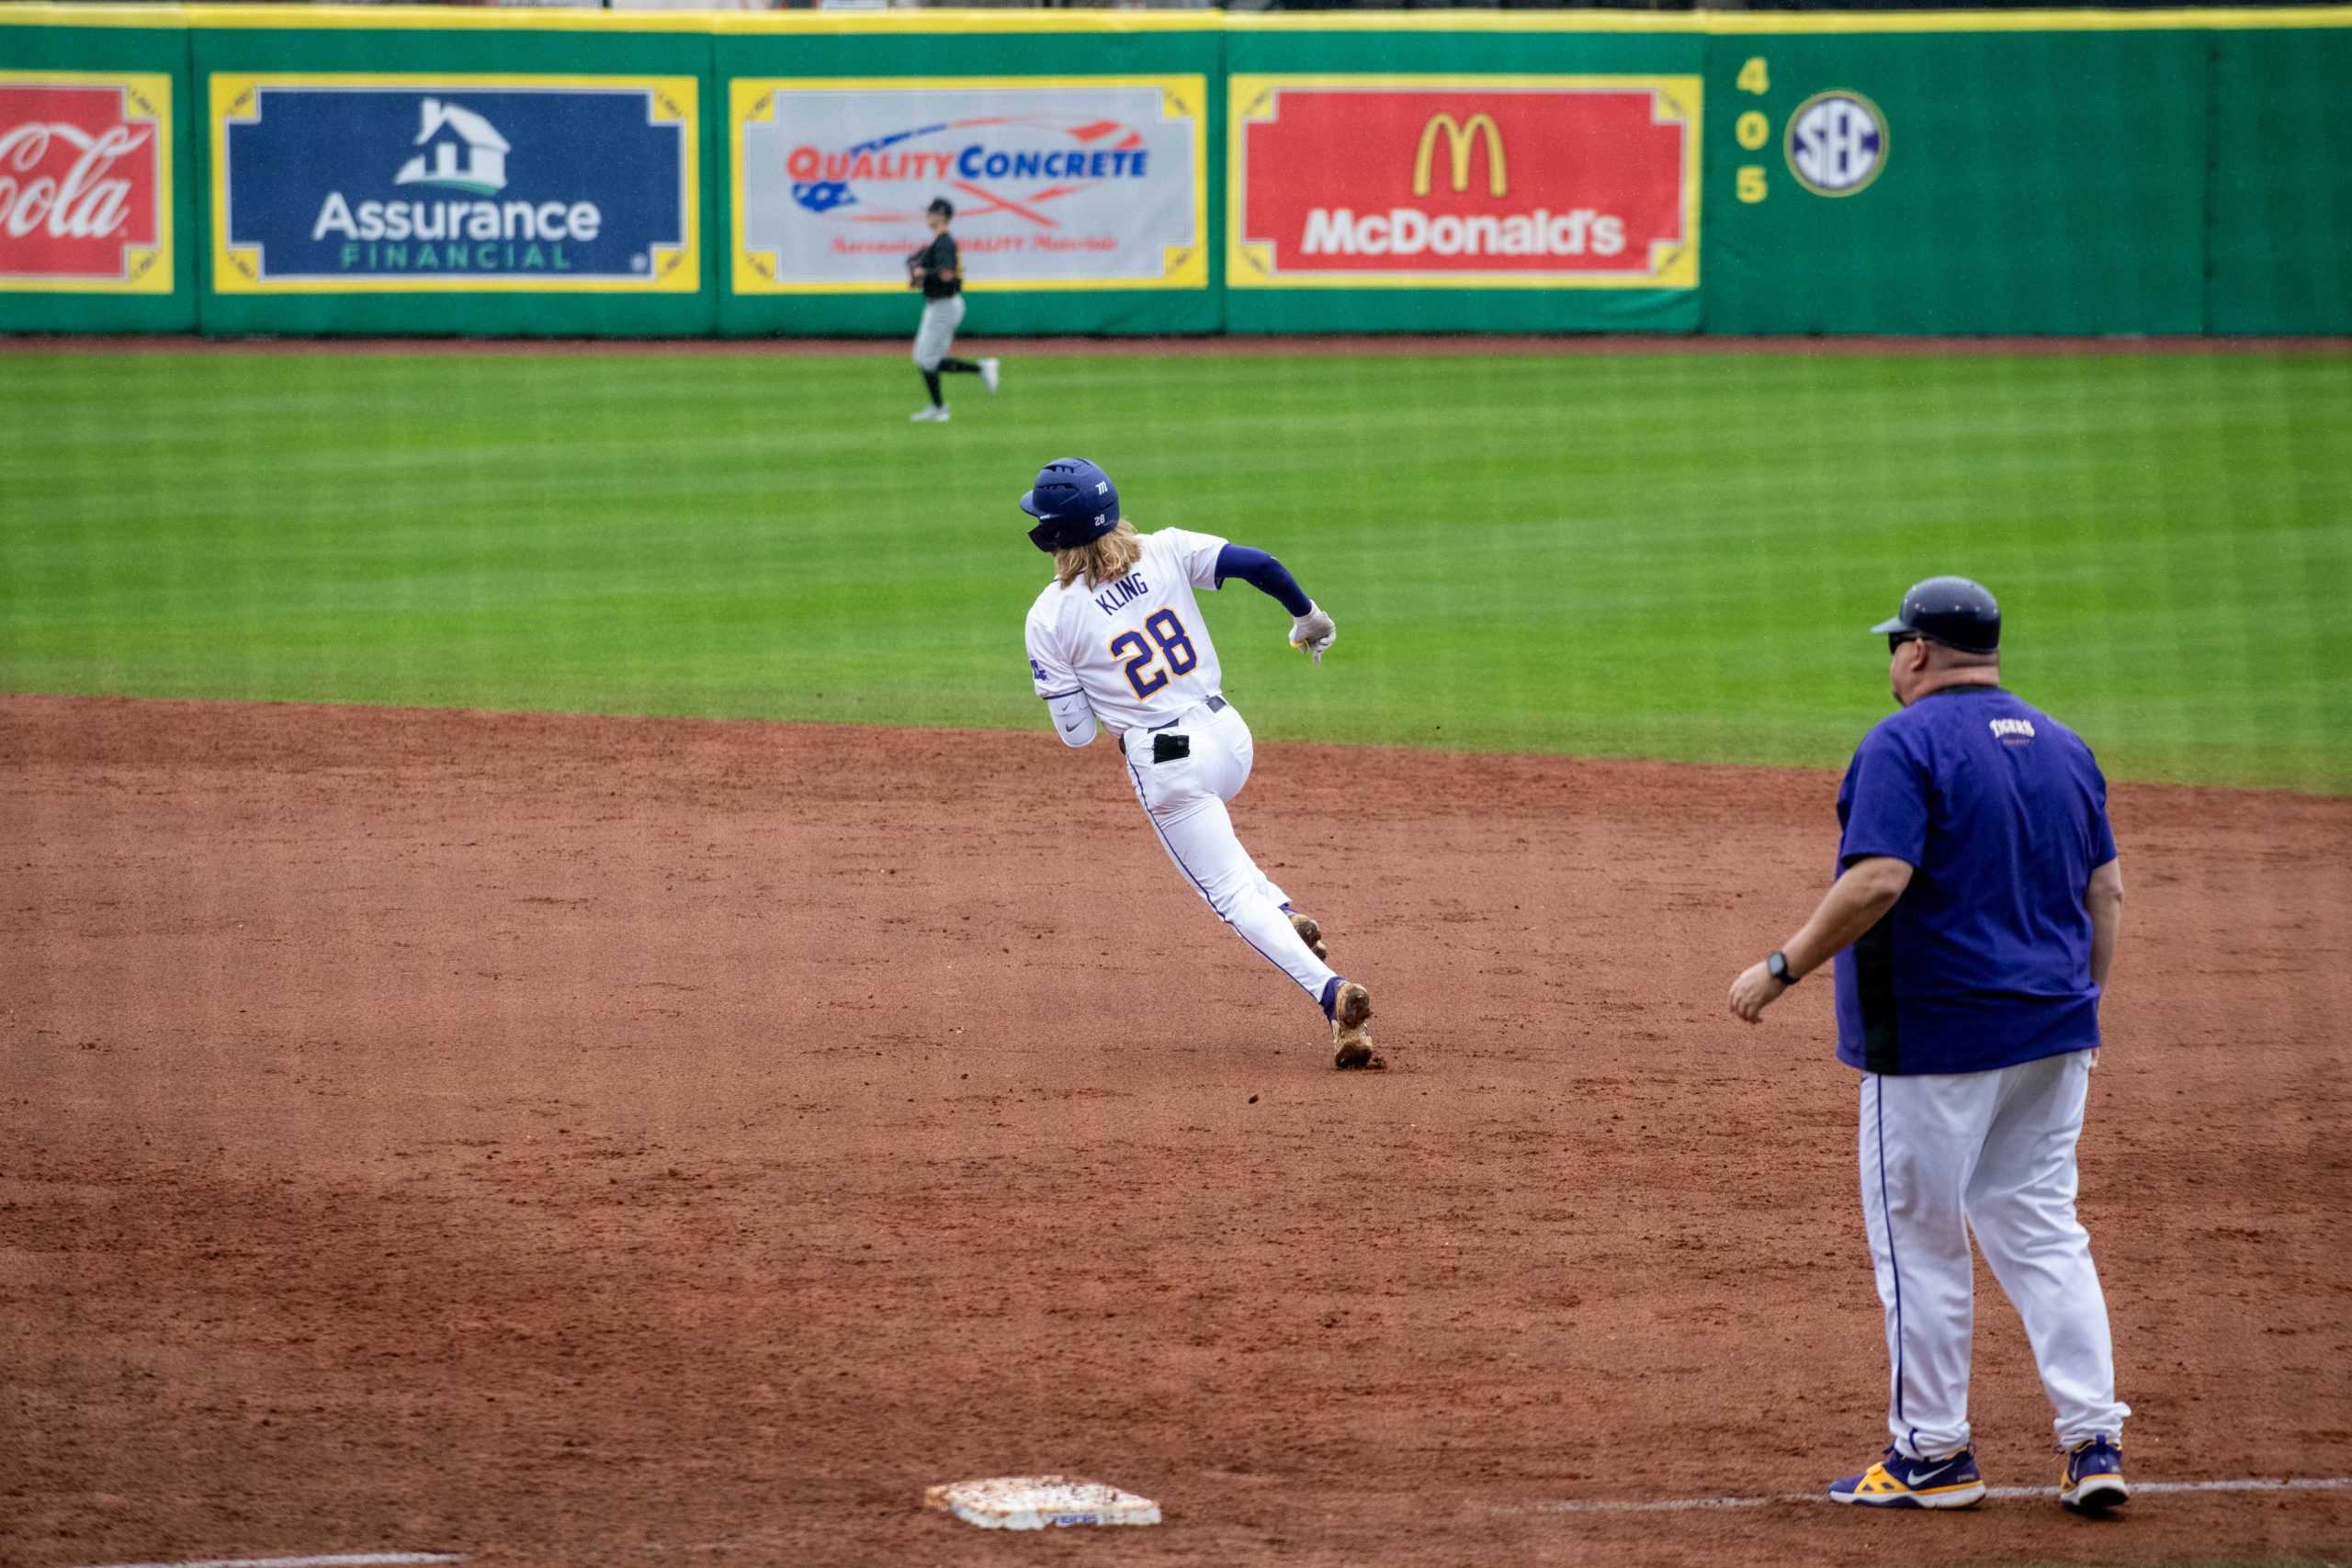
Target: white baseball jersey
{"x":1136,"y":645}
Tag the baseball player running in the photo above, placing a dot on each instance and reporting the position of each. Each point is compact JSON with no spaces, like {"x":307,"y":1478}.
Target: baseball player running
{"x":1117,"y":636}
{"x":1979,"y":890}
{"x":938,"y":271}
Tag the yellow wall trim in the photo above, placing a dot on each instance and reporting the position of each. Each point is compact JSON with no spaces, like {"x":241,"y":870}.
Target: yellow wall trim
{"x":954,"y":20}
{"x":93,"y":17}
{"x":1735,"y":23}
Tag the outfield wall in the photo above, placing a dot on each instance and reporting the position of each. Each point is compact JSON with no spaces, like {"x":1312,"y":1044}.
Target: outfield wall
{"x":420,"y":170}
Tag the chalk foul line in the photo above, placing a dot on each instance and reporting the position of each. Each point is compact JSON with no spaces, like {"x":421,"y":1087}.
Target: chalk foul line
{"x":1565,"y":1505}
{"x":1693,"y":1504}
{"x":332,"y":1560}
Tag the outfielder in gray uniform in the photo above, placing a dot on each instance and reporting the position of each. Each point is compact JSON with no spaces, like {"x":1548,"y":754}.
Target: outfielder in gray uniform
{"x":938,"y":271}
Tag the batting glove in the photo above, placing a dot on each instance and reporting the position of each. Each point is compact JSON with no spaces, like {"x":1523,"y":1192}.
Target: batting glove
{"x":1314,"y":632}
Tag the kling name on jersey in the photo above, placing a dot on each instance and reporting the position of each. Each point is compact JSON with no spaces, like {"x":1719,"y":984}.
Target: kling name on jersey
{"x":1127,"y":591}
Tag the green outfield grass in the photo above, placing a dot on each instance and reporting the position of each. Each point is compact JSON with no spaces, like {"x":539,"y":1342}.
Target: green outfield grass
{"x":1671,"y":556}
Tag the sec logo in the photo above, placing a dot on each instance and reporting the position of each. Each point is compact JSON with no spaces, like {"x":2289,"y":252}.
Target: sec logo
{"x":1837,"y":143}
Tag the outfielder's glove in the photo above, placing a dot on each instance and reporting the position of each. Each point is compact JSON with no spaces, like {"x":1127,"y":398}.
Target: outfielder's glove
{"x":1313,"y":631}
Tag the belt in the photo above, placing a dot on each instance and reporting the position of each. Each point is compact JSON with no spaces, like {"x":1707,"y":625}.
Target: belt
{"x":1214,"y":704}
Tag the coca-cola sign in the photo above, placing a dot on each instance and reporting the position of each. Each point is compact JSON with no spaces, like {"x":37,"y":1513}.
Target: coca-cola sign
{"x":86,"y":173}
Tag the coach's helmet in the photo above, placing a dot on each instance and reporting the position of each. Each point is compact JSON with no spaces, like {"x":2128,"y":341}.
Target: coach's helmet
{"x":1949,"y":610}
{"x":1074,"y":504}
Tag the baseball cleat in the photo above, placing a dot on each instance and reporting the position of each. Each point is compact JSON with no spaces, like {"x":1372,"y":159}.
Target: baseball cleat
{"x":1900,"y":1481}
{"x":990,"y":374}
{"x":2093,"y":1482}
{"x":1310,"y":933}
{"x":936,"y":414}
{"x":1350,"y":1029}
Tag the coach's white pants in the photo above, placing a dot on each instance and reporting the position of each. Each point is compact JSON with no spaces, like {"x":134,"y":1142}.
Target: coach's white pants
{"x":936,"y":335}
{"x":1185,"y":800}
{"x":1943,"y":1155}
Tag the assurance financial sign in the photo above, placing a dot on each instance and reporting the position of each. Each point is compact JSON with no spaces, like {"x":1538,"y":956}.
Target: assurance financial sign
{"x":1530,"y":182}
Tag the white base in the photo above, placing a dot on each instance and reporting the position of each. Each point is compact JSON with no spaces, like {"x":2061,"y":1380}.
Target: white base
{"x":1036,"y":1502}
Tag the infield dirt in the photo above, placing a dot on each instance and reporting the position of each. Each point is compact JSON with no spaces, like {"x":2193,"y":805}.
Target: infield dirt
{"x":582,"y":1141}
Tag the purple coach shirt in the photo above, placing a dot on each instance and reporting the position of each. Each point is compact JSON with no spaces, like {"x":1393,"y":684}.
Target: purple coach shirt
{"x":1984,"y":961}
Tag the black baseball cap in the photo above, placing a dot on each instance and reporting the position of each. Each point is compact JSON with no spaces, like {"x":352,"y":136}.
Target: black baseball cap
{"x":941,"y":206}
{"x":1953,"y":610}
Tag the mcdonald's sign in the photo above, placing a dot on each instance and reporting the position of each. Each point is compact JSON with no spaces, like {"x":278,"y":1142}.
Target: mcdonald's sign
{"x":1489,"y":182}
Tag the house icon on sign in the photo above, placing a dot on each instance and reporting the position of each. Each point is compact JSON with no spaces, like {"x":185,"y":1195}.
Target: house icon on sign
{"x":460,"y":150}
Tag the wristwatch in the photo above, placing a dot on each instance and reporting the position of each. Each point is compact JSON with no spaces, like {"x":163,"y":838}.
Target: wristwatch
{"x":1776,"y":964}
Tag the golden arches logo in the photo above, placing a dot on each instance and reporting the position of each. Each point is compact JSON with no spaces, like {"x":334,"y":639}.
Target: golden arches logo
{"x":1461,"y":137}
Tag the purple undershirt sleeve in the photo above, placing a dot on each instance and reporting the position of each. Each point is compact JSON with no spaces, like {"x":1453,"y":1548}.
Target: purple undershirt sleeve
{"x":1264,"y":573}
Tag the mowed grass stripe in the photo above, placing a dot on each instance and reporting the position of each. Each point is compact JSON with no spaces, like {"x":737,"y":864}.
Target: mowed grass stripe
{"x":1667,"y":556}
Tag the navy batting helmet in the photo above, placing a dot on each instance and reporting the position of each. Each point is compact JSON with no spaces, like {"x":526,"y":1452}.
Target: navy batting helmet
{"x":1074,"y":504}
{"x":1953,"y":610}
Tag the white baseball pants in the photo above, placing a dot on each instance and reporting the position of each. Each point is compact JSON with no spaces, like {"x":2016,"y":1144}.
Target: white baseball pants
{"x":1185,"y":800}
{"x":1943,"y":1155}
{"x":936,"y":335}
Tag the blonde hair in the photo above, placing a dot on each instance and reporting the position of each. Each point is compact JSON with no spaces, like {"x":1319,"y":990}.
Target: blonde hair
{"x":1113,"y":555}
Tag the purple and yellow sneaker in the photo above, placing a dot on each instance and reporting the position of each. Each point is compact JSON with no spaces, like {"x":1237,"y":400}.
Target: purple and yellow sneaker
{"x":1900,"y":1481}
{"x":2094,"y":1479}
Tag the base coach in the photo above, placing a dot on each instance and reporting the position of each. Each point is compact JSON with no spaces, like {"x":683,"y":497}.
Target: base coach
{"x":1973,"y":919}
